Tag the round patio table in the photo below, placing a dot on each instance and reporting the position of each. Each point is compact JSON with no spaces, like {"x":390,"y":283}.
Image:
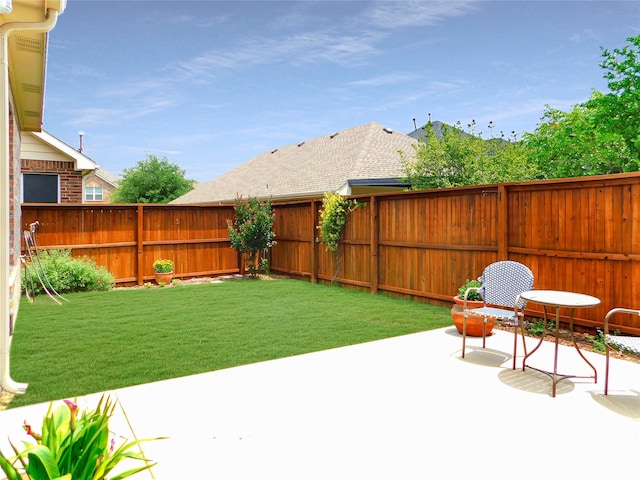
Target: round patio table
{"x":559,"y":299}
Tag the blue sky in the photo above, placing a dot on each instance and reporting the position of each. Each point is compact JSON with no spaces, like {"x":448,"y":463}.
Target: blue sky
{"x":211,"y":84}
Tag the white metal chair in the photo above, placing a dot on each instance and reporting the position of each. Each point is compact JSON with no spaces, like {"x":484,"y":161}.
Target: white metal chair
{"x":625,"y":342}
{"x":502,"y":284}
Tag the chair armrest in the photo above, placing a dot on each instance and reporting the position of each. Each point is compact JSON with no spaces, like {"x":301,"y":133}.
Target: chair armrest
{"x":517,"y":306}
{"x":614,"y":311}
{"x":479,"y":289}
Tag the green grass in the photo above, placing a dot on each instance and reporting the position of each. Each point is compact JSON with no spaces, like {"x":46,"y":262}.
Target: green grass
{"x":104,"y":340}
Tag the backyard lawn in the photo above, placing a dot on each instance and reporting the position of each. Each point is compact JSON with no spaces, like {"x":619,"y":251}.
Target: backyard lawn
{"x":104,"y":340}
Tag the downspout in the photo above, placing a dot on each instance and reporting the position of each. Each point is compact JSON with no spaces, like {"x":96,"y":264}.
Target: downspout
{"x":6,"y":383}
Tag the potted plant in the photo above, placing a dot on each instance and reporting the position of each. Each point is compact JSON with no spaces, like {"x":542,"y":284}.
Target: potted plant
{"x":474,"y":300}
{"x":163,"y":271}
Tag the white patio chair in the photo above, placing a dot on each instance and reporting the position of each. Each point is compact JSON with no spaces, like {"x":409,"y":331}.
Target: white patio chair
{"x":502,"y":284}
{"x":625,"y":342}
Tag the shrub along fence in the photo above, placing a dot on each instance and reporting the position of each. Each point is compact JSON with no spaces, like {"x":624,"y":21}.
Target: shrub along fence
{"x":579,"y":234}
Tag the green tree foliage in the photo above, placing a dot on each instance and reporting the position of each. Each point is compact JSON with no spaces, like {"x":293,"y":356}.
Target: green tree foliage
{"x":459,"y":158}
{"x":153,"y":180}
{"x":251,"y":232}
{"x":621,"y":107}
{"x":599,"y":136}
{"x":576,"y":143}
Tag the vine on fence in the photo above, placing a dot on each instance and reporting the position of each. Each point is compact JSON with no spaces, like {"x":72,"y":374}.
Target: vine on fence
{"x":333,"y":217}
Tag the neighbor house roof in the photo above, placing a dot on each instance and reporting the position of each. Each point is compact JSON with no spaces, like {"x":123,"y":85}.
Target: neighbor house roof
{"x":110,"y":178}
{"x":44,"y":146}
{"x":437,"y":126}
{"x":308,"y":169}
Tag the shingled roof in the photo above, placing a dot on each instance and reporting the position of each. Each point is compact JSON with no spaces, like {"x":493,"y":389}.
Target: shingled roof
{"x":312,"y":167}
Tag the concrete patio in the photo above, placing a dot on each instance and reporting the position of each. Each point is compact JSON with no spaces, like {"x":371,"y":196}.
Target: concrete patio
{"x":402,"y":408}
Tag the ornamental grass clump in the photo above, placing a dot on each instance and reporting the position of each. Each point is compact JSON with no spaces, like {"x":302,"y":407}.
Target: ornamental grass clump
{"x":73,"y":445}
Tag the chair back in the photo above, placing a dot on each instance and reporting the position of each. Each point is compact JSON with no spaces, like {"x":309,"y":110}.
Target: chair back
{"x":504,"y":281}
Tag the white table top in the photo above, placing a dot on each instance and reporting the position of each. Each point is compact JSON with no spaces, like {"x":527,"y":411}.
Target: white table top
{"x":558,"y":298}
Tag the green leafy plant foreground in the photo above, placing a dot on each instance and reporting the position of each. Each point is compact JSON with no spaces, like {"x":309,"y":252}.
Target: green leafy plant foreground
{"x":73,"y":445}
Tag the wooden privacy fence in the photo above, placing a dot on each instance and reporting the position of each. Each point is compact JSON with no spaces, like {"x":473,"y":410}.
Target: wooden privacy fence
{"x":579,"y":235}
{"x":126,"y":239}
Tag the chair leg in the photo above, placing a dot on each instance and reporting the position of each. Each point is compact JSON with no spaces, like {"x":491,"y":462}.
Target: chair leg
{"x":524,"y":343}
{"x":606,"y":369}
{"x":464,"y":334}
{"x":484,"y":332}
{"x":515,"y":345}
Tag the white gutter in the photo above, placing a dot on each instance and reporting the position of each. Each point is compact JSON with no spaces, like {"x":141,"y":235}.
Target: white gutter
{"x":6,"y":383}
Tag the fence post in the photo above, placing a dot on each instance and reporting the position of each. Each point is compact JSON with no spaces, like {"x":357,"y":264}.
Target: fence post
{"x":502,"y":228}
{"x":374,"y":235}
{"x":140,"y":240}
{"x":314,"y":245}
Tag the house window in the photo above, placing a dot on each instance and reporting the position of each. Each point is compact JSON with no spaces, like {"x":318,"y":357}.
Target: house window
{"x":93,"y":194}
{"x":40,"y":188}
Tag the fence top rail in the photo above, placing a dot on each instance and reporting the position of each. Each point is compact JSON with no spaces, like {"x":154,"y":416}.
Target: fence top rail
{"x":569,"y":182}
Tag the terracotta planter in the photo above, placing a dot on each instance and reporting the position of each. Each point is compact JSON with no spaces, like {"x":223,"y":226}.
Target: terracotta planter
{"x":474,"y":327}
{"x":163,"y":277}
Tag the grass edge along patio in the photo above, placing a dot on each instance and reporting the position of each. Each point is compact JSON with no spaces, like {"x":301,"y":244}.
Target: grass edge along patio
{"x":104,"y":340}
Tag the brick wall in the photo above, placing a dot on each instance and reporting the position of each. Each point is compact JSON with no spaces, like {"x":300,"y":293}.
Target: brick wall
{"x":92,"y":180}
{"x":15,"y":230}
{"x":70,"y":179}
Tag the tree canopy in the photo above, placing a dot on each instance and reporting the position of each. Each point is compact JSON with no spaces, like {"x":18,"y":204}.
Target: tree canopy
{"x":599,"y":136}
{"x":458,"y":158}
{"x":152,"y":180}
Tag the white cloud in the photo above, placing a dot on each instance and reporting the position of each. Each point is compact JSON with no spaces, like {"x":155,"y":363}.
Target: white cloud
{"x":382,"y":80}
{"x":345,"y":49}
{"x":213,"y":21}
{"x":86,"y":118}
{"x":393,"y":15}
{"x":583,"y":36}
{"x":77,"y":70}
{"x":148,"y":105}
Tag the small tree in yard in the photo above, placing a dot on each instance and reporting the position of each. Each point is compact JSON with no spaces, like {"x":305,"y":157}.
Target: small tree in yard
{"x":251,"y":232}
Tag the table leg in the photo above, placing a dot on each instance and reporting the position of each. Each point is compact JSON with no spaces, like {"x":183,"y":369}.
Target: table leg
{"x":555,"y":356}
{"x":555,"y":376}
{"x":575,"y":344}
{"x":544,"y":334}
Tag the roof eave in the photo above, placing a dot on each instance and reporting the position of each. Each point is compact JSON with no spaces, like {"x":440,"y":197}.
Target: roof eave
{"x":81,"y":161}
{"x":28,"y":53}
